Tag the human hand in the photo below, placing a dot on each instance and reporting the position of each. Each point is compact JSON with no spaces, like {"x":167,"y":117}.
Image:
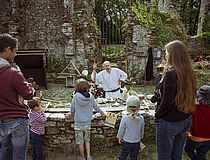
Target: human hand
{"x":68,"y":116}
{"x":94,"y":66}
{"x":119,"y":81}
{"x":104,"y":115}
{"x":120,"y":141}
{"x":20,"y":99}
{"x":41,"y":109}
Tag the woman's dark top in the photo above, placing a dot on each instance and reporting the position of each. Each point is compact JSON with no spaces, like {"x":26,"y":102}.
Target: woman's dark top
{"x":166,"y":106}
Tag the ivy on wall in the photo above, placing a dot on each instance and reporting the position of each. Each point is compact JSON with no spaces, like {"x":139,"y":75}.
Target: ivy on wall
{"x":204,"y":37}
{"x":143,"y":14}
{"x":150,"y":16}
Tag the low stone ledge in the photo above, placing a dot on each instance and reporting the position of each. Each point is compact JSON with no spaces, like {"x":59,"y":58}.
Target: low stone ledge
{"x":60,"y":132}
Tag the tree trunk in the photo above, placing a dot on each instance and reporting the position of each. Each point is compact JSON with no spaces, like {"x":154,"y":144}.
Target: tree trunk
{"x":204,"y":12}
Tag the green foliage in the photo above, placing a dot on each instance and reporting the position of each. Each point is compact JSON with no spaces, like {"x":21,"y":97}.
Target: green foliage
{"x":136,"y":70}
{"x":164,"y":32}
{"x":110,"y":17}
{"x":95,"y":24}
{"x":205,"y":37}
{"x":165,"y":25}
{"x":113,"y":51}
{"x":144,"y":16}
{"x":97,"y":141}
{"x":189,"y":13}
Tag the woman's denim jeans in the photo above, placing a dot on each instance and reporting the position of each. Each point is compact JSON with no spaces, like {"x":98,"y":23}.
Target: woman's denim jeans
{"x":14,"y":138}
{"x":201,"y":149}
{"x":37,"y":142}
{"x":170,"y":138}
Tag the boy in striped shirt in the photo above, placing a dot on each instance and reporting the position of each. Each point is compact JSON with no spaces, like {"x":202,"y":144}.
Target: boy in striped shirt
{"x":37,"y":120}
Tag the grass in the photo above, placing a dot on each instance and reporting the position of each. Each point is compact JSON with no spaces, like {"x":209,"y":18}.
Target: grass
{"x":60,"y":93}
{"x":148,"y":153}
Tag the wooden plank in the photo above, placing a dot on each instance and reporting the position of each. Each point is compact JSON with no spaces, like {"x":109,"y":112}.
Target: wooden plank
{"x":107,"y":109}
{"x":28,"y":54}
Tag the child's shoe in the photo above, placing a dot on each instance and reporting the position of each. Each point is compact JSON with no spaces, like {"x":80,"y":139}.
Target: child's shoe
{"x":80,"y":158}
{"x":89,"y":158}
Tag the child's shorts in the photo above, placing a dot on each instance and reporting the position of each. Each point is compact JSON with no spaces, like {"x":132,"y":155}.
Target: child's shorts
{"x":82,"y":133}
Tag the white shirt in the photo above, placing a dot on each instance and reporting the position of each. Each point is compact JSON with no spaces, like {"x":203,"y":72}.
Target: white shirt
{"x":110,"y":81}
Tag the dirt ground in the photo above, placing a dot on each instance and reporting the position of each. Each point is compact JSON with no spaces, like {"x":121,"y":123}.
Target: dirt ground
{"x":59,"y":156}
{"x":56,"y":156}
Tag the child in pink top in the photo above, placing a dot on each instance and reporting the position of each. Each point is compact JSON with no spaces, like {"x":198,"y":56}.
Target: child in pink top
{"x":37,"y":121}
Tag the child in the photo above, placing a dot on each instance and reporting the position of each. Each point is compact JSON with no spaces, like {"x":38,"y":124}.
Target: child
{"x":199,"y":136}
{"x":131,"y":130}
{"x":82,"y":106}
{"x":37,"y":121}
{"x":160,"y":70}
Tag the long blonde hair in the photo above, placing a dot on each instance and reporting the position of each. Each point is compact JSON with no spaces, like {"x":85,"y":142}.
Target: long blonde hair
{"x":186,"y":86}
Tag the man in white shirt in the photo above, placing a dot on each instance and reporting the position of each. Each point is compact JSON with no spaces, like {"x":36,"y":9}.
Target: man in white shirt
{"x":110,"y":79}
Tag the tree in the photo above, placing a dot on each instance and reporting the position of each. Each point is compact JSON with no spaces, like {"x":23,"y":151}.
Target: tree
{"x":204,"y":17}
{"x":189,"y":15}
{"x":110,"y":16}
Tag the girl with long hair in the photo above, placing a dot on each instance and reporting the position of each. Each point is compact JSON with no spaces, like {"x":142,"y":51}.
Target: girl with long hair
{"x":176,"y":103}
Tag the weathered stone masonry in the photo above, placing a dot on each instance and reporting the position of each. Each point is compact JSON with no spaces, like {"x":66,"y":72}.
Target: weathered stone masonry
{"x":60,"y":136}
{"x":64,"y":27}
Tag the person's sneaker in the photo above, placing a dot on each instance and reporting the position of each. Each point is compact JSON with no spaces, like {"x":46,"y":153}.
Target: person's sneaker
{"x":80,"y":158}
{"x":89,"y":158}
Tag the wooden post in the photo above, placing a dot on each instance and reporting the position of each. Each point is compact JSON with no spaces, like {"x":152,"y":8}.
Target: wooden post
{"x":145,"y":74}
{"x":94,"y":86}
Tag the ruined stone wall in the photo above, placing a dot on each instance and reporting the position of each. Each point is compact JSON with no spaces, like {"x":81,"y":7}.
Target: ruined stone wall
{"x":65,"y":27}
{"x":60,"y":135}
{"x":5,"y":12}
{"x":137,"y":42}
{"x":169,"y":5}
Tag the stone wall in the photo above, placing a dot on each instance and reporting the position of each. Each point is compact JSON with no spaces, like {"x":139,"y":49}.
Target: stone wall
{"x":65,"y":27}
{"x":137,"y":42}
{"x":197,"y":48}
{"x":169,"y":5}
{"x":60,"y":136}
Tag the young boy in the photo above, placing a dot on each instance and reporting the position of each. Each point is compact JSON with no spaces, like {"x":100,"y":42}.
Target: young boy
{"x":199,"y":136}
{"x":131,"y":130}
{"x":37,"y":121}
{"x":82,"y":106}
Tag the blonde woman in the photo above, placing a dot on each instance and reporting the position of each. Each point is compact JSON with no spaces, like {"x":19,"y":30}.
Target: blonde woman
{"x":176,"y":103}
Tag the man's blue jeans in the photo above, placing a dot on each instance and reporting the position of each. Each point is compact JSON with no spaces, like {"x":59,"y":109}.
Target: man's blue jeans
{"x":14,"y":138}
{"x":170,"y":138}
{"x":201,"y":149}
{"x":37,"y":142}
{"x":129,"y":148}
